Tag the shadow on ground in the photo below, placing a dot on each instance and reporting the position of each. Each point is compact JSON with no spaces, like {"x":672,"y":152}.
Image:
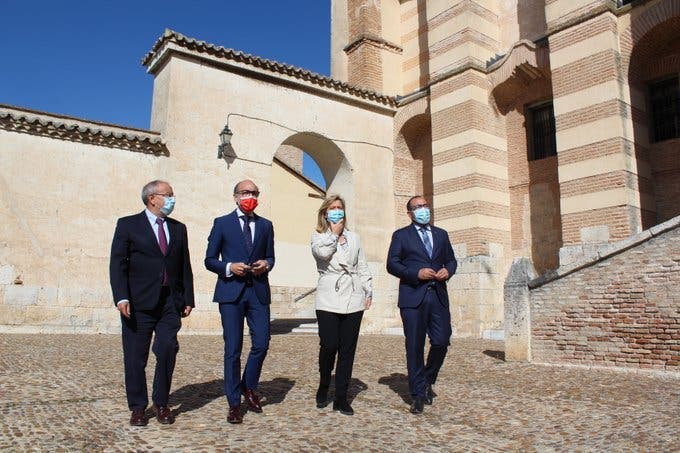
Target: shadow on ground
{"x":498,"y":355}
{"x":194,"y":396}
{"x":284,"y":326}
{"x":275,"y":391}
{"x":398,"y":383}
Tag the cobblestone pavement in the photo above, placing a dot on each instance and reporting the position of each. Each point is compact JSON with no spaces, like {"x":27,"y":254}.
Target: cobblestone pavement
{"x":65,"y":393}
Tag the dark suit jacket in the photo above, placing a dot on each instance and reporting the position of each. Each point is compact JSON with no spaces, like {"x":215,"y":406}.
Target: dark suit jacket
{"x":227,"y":244}
{"x":407,"y":255}
{"x":137,"y":264}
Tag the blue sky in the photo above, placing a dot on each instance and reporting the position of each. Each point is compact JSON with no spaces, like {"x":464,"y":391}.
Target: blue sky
{"x":82,"y":57}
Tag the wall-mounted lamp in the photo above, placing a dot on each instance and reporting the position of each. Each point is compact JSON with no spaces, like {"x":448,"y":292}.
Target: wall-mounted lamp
{"x":225,"y":142}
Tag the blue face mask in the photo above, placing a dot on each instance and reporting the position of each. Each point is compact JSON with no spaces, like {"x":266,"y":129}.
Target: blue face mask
{"x":335,"y":215}
{"x":168,"y":205}
{"x":422,"y":216}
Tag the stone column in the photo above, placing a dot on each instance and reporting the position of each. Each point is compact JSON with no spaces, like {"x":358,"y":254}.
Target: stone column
{"x":598,"y":171}
{"x":517,"y":310}
{"x":471,"y":201}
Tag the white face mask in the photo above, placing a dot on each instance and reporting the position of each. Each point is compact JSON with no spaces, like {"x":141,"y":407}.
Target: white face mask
{"x":422,"y":215}
{"x":335,"y":215}
{"x":168,"y":205}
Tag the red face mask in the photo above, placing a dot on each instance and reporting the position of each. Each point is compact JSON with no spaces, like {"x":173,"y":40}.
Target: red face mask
{"x":248,"y":204}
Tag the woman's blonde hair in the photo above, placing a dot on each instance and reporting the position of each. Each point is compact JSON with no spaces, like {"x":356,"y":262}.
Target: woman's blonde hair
{"x":321,"y":221}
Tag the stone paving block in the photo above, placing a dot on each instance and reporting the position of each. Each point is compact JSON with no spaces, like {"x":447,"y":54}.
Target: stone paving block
{"x":65,"y":393}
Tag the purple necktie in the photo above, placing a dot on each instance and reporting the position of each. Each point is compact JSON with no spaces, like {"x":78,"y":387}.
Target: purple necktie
{"x":163,"y":243}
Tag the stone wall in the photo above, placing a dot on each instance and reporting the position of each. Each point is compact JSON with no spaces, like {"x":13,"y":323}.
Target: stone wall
{"x":620,"y":308}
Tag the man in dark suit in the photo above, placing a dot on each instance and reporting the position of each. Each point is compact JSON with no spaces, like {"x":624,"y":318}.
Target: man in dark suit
{"x":421,"y":256}
{"x":153,"y":288}
{"x":241,"y":253}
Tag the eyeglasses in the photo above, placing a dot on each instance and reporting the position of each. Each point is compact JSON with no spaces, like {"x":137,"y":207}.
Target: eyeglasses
{"x":243,"y":193}
{"x":418,"y":206}
{"x":164,"y":194}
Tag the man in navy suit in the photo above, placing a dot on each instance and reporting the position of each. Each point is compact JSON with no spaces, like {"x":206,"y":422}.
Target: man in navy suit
{"x":153,"y":288}
{"x":241,"y":253}
{"x":421,"y":256}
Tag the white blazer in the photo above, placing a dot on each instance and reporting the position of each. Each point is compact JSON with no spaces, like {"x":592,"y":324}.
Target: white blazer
{"x":344,"y":278}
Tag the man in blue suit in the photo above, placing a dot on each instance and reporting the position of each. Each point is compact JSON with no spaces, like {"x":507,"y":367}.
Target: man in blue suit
{"x":421,"y":256}
{"x":241,"y":253}
{"x":153,"y":289}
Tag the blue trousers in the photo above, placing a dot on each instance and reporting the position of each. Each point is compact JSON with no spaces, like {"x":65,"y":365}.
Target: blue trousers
{"x":431,"y":318}
{"x":247,"y":307}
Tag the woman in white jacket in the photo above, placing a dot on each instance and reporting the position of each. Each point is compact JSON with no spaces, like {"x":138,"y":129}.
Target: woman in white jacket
{"x":343,"y":293}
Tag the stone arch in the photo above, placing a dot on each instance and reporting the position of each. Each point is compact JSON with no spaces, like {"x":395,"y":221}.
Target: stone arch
{"x":651,"y":52}
{"x":412,"y":157}
{"x":295,"y":199}
{"x":521,"y":81}
{"x":335,"y":167}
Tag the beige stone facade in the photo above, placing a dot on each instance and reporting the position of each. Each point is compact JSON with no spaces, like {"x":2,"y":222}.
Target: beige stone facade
{"x":527,"y":124}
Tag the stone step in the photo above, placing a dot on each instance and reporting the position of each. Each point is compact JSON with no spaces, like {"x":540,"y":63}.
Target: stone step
{"x":307,"y":328}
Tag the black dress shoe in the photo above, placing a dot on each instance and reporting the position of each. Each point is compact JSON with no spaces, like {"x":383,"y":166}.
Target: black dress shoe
{"x":235,"y":414}
{"x":322,"y":397}
{"x":429,"y":395}
{"x":252,"y":400}
{"x":163,"y":415}
{"x":417,"y":405}
{"x":343,"y":406}
{"x":138,"y":418}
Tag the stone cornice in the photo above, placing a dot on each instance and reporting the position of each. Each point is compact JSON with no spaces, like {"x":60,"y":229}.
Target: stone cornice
{"x":491,"y":66}
{"x":169,"y":37}
{"x":33,"y":122}
{"x":375,"y":41}
{"x":525,"y":57}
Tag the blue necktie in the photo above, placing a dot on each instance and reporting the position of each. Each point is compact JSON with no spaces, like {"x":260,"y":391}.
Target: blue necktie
{"x":247,"y":233}
{"x":426,"y":241}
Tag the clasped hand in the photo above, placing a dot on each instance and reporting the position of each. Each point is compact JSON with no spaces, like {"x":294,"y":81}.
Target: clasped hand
{"x":242,"y":269}
{"x":427,"y":274}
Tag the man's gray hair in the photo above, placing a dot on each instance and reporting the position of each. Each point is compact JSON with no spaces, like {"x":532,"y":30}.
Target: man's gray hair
{"x":149,"y":189}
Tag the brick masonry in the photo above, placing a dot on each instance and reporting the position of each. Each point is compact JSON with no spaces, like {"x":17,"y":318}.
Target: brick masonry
{"x":620,"y":309}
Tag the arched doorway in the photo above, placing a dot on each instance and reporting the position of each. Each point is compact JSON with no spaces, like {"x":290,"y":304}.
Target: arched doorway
{"x":654,"y":80}
{"x":525,"y":99}
{"x":295,"y":199}
{"x":413,"y":164}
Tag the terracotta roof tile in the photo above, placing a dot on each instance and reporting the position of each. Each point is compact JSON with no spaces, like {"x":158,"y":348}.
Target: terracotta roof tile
{"x":262,"y":63}
{"x":16,"y":119}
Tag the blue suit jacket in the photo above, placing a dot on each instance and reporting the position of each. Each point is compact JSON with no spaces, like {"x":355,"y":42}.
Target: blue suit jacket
{"x":137,"y":263}
{"x":226,"y":244}
{"x":407,"y":255}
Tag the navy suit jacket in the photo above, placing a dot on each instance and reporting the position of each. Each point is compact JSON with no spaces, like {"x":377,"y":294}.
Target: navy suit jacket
{"x":227,"y":244}
{"x":407,"y":255}
{"x":137,"y":263}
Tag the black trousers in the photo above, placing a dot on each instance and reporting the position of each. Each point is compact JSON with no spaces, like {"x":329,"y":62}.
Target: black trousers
{"x":164,"y":321}
{"x":338,"y":335}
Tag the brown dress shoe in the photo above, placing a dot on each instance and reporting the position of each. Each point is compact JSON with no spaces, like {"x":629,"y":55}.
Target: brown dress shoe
{"x":138,"y":418}
{"x":164,"y":415}
{"x":235,"y":414}
{"x":253,"y":401}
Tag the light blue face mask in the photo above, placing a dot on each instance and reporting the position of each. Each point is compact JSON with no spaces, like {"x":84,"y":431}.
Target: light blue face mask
{"x":335,"y":215}
{"x":422,"y":216}
{"x":168,"y":205}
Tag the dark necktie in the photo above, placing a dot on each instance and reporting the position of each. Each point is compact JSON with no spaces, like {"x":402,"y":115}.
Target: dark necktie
{"x":163,"y":244}
{"x":426,"y":241}
{"x":247,"y":233}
